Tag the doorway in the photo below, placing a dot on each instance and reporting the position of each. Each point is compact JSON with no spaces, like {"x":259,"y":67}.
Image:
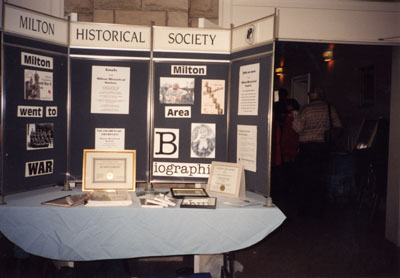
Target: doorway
{"x":300,"y":87}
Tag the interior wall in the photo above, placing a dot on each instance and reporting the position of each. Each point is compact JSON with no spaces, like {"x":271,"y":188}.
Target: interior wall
{"x":51,"y":7}
{"x":341,"y":21}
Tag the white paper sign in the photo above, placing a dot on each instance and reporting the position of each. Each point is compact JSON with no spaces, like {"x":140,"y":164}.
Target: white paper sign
{"x":247,"y":147}
{"x":176,"y":169}
{"x":249,"y":76}
{"x":110,"y":139}
{"x":166,"y":143}
{"x":110,"y":90}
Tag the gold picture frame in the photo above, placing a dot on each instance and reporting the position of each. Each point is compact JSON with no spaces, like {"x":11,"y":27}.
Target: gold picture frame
{"x":109,"y":170}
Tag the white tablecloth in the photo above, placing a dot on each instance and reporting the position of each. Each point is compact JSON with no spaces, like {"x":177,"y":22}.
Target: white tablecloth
{"x":96,"y":233}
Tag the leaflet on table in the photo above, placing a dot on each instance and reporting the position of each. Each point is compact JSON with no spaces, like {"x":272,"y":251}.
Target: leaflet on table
{"x":158,"y":200}
{"x":109,"y":198}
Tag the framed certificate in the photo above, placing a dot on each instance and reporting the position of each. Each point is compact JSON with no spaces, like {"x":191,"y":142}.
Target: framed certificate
{"x":196,"y":202}
{"x":226,"y":179}
{"x":180,"y":193}
{"x":109,"y":170}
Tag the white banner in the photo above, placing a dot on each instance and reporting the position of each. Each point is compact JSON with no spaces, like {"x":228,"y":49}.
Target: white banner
{"x":118,"y":36}
{"x":191,"y":39}
{"x":35,"y":25}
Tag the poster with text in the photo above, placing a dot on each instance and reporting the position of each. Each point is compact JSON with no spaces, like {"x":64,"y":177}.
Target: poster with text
{"x":213,"y":96}
{"x":110,"y":90}
{"x":110,"y":139}
{"x":247,"y":147}
{"x":249,"y":76}
{"x":38,"y":85}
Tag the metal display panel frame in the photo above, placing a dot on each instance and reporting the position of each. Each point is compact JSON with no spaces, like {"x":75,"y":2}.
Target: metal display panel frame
{"x":34,"y":97}
{"x":135,"y":124}
{"x":251,"y":50}
{"x":187,"y":164}
{"x":196,"y":162}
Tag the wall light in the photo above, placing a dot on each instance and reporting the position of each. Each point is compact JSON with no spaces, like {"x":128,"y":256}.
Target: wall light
{"x":279,"y":71}
{"x":328,"y":54}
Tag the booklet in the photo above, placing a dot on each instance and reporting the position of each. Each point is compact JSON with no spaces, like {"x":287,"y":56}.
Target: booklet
{"x":109,"y":198}
{"x":68,"y":201}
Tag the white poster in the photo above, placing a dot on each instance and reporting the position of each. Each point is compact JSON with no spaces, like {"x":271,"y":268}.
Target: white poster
{"x":110,"y":90}
{"x":213,"y":96}
{"x":38,"y":85}
{"x":249,"y":76}
{"x":247,"y":147}
{"x":203,"y":140}
{"x":110,"y":138}
{"x":166,"y":143}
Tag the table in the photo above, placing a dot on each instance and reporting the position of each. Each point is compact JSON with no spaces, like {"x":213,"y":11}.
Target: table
{"x":99,"y":233}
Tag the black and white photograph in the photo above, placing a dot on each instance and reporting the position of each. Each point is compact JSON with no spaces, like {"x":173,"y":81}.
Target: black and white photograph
{"x":39,"y":136}
{"x":38,"y":85}
{"x":176,"y":90}
{"x":203,"y":140}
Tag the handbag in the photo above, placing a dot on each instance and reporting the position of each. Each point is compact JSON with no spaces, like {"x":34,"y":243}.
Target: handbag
{"x":335,"y":138}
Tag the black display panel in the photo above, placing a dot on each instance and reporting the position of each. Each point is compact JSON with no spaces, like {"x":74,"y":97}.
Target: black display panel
{"x":84,"y":123}
{"x":255,"y":181}
{"x":190,"y":119}
{"x":35,"y":116}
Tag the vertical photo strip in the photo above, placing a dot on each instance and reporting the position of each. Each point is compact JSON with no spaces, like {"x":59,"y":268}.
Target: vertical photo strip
{"x":213,"y":96}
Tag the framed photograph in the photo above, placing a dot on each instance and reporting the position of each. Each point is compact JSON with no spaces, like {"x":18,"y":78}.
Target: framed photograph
{"x":227,"y":179}
{"x":188,"y":192}
{"x":208,"y":202}
{"x":109,"y":170}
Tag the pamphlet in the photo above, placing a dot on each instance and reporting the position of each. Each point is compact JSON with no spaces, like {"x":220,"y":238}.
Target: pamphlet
{"x":68,"y":201}
{"x":109,"y":198}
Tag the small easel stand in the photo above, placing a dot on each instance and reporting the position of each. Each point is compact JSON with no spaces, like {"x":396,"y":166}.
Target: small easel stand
{"x":269,"y":202}
{"x":148,"y":191}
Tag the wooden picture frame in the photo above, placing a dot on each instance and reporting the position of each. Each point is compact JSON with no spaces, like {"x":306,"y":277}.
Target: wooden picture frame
{"x":109,"y":170}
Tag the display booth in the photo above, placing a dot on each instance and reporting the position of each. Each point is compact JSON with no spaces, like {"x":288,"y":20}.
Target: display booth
{"x":34,"y":100}
{"x":181,"y":97}
{"x":150,"y":104}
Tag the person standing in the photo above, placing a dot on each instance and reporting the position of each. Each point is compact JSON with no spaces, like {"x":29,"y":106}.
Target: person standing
{"x":310,"y":124}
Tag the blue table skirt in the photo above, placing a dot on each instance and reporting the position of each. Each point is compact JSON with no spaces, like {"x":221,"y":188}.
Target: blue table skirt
{"x":97,"y":233}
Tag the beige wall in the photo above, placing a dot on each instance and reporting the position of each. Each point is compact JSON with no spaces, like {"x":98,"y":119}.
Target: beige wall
{"x":177,"y":13}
